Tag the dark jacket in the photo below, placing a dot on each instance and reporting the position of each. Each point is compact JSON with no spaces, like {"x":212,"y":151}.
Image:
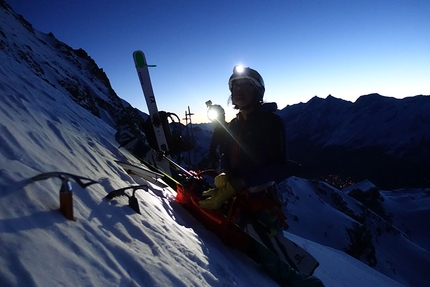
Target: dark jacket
{"x":256,"y":150}
{"x":216,"y":145}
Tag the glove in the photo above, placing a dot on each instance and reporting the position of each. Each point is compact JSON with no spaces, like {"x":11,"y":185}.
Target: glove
{"x":217,"y":196}
{"x":221,"y":180}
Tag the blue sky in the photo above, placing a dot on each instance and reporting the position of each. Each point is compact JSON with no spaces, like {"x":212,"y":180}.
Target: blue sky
{"x":301,"y":48}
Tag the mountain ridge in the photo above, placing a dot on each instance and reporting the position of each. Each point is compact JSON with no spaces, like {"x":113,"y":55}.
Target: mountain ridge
{"x":333,"y":135}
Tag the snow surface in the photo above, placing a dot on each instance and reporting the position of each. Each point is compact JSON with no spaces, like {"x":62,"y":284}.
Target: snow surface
{"x":108,"y":244}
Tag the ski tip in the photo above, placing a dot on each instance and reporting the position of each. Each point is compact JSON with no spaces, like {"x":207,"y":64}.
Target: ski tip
{"x":140,"y":60}
{"x":138,"y":52}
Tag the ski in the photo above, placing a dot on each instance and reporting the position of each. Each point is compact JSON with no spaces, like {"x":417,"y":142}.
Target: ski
{"x":152,"y":159}
{"x":145,"y":82}
{"x":141,"y":171}
{"x":293,"y":255}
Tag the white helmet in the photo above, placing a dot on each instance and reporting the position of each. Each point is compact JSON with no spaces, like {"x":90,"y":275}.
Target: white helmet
{"x":240,"y":72}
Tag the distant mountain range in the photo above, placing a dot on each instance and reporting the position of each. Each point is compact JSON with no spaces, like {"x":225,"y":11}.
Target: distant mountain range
{"x":386,"y":140}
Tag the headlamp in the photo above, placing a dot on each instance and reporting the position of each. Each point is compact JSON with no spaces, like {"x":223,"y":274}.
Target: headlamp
{"x":213,"y":114}
{"x":238,"y":69}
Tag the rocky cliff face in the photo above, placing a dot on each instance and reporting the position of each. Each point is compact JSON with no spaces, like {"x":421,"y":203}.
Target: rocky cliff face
{"x":71,"y":71}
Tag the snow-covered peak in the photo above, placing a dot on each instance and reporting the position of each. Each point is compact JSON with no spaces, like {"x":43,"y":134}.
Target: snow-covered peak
{"x":364,"y":186}
{"x":71,"y":71}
